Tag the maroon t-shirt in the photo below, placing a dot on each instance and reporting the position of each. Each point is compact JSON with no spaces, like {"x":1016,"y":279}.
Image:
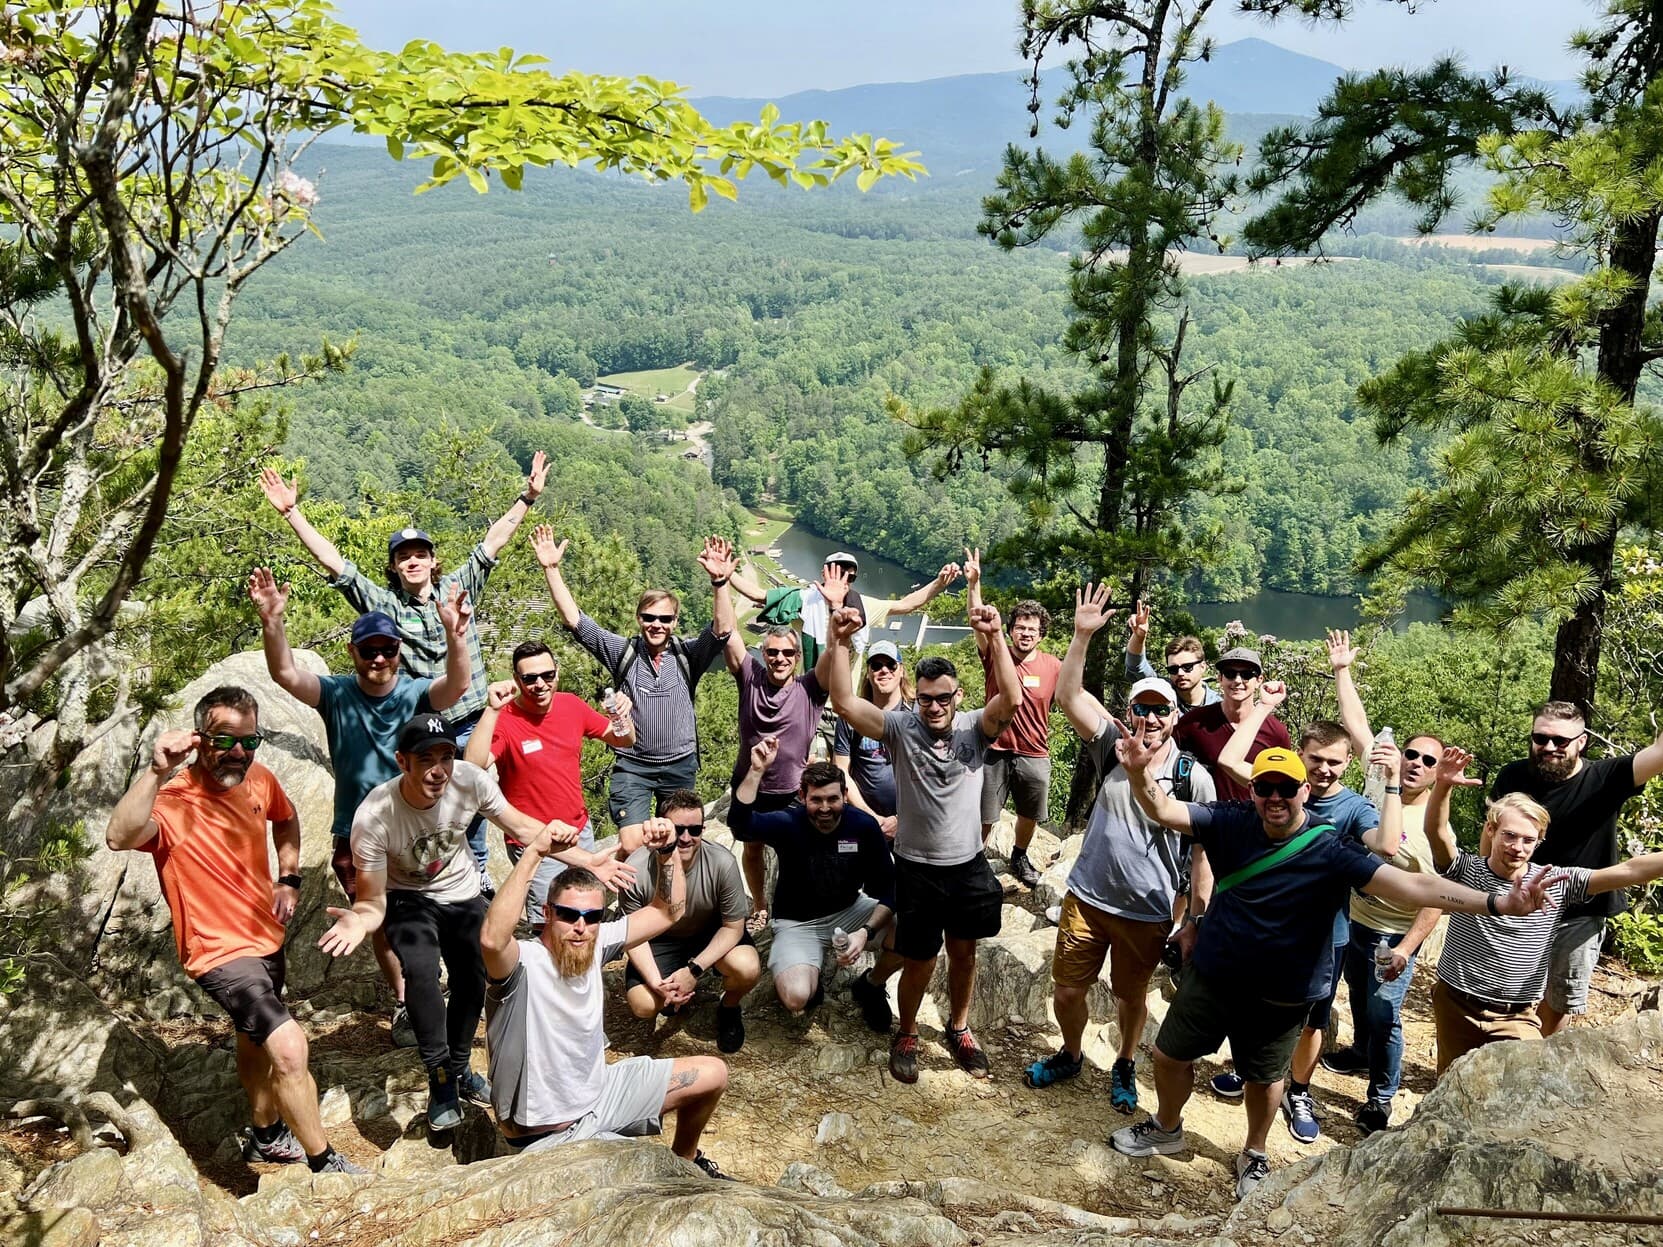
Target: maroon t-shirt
{"x":790,"y":712}
{"x":1029,"y":731}
{"x":1206,"y":731}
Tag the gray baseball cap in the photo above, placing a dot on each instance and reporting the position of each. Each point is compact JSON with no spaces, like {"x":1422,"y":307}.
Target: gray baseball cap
{"x":1241,"y":654}
{"x":883,"y":649}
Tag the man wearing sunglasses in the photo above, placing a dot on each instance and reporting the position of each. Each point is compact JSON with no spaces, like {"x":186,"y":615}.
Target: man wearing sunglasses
{"x":533,"y":736}
{"x":206,"y":829}
{"x":1205,"y":732}
{"x":1186,"y":663}
{"x":545,"y":1017}
{"x":1584,"y":798}
{"x":945,"y":891}
{"x":663,"y":974}
{"x":362,"y":714}
{"x":657,"y":669}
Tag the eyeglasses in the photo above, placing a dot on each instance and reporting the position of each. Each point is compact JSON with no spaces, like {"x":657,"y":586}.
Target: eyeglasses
{"x":1238,"y":673}
{"x":1543,"y":739}
{"x":1412,"y":755}
{"x":878,"y":665}
{"x":779,"y":653}
{"x":540,"y":677}
{"x":378,"y":651}
{"x":567,"y":914}
{"x":1183,"y":668}
{"x":250,"y":743}
{"x":938,"y":699}
{"x":1286,"y":788}
{"x":1142,"y":711}
{"x":665,"y":619}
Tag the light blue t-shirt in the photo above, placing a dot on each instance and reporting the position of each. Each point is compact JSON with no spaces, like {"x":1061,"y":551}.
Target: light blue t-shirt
{"x":362,"y":732}
{"x":1353,"y":816}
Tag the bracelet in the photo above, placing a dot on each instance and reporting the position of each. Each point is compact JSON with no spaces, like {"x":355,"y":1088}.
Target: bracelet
{"x":529,"y":499}
{"x":1394,"y":790}
{"x":717,"y":584}
{"x":290,"y":881}
{"x":1490,"y":904}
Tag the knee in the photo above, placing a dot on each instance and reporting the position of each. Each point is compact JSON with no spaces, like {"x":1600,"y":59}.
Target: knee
{"x":796,"y":990}
{"x":1170,"y":1064}
{"x":1065,"y":996}
{"x":642,"y":1003}
{"x":286,"y":1050}
{"x":740,"y":969}
{"x":713,"y":1073}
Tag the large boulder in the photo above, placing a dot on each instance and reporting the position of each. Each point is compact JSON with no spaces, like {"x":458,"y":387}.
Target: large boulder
{"x":60,"y":1038}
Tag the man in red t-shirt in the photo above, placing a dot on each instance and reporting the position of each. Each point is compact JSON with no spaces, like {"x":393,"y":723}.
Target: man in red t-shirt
{"x":1019,"y":763}
{"x":534,"y":737}
{"x":1205,"y":732}
{"x":206,"y":829}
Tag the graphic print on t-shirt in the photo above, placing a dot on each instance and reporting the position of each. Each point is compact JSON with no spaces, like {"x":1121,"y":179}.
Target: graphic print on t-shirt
{"x":432,"y":851}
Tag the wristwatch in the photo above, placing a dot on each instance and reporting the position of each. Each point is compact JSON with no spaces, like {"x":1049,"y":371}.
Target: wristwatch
{"x":696,"y":970}
{"x":871,"y":931}
{"x":290,"y":881}
{"x":1490,"y":904}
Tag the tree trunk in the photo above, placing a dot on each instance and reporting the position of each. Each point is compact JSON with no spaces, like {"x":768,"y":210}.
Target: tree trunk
{"x":1576,"y":646}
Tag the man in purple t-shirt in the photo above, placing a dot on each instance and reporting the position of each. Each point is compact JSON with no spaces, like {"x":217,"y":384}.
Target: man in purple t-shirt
{"x":774,"y":701}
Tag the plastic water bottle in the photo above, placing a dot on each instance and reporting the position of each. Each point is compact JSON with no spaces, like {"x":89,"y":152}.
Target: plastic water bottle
{"x":1374,"y":786}
{"x":609,"y":703}
{"x":1382,"y":959}
{"x":840,"y":941}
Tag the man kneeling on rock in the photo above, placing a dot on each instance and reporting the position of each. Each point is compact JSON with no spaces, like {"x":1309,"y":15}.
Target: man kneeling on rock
{"x":835,"y":874}
{"x":544,"y":1023}
{"x":1265,"y":948}
{"x":206,"y":828}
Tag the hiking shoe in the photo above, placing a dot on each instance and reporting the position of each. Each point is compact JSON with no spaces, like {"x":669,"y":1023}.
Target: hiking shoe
{"x":1022,"y":869}
{"x":1123,"y":1086}
{"x":1229,"y":1085}
{"x":1301,"y":1111}
{"x":1147,"y":1138}
{"x":963,"y":1048}
{"x":474,"y":1088}
{"x":710,"y":1167}
{"x":443,"y":1110}
{"x":1347,"y":1061}
{"x":285,"y":1149}
{"x":874,"y":1004}
{"x":404,"y":1035}
{"x":903,"y":1058}
{"x":336,"y":1163}
{"x":1053,"y":1069}
{"x":1252,"y":1168}
{"x":730,"y":1028}
{"x":1373,"y":1116}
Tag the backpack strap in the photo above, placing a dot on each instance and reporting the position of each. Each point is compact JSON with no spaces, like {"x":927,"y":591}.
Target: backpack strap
{"x":1271,"y":860}
{"x":1183,"y":786}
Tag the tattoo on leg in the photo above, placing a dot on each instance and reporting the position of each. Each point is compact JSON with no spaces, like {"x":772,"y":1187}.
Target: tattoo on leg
{"x":683,"y":1078}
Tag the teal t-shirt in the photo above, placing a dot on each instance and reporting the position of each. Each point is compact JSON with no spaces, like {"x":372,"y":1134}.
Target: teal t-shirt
{"x":362,"y":732}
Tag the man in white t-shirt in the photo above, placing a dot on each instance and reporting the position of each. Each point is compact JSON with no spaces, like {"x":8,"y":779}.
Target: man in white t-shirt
{"x":544,"y":1019}
{"x":417,"y":877}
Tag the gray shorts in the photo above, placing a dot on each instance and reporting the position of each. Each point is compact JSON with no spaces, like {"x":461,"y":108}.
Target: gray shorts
{"x":1007,"y":775}
{"x":1571,"y":962}
{"x":631,"y":1104}
{"x":806,"y":943}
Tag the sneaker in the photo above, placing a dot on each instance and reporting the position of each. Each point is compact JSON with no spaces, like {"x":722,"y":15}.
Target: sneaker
{"x":1022,"y":869}
{"x":336,"y":1163}
{"x":964,"y":1049}
{"x":404,"y":1035}
{"x":285,"y":1149}
{"x":1123,"y":1086}
{"x":1147,"y":1138}
{"x":443,"y":1110}
{"x":710,"y":1167}
{"x":1373,"y":1116}
{"x":474,"y":1088}
{"x":1301,"y":1111}
{"x":1346,"y":1061}
{"x":1252,"y":1168}
{"x":903,"y":1058}
{"x":730,"y":1028}
{"x":874,"y":1004}
{"x":1229,"y":1085}
{"x":1053,"y":1069}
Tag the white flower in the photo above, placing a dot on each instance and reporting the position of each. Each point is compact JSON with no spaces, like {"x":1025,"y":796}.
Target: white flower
{"x":1636,"y":847}
{"x":297,"y":188}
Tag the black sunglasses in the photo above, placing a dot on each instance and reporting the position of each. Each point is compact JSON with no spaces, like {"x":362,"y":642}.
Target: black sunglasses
{"x":226,"y":741}
{"x":1543,"y":739}
{"x":568,"y":914}
{"x":1238,"y":673}
{"x":646,"y":618}
{"x":1183,"y":668}
{"x":540,"y":677}
{"x":1285,"y":788}
{"x":693,"y":829}
{"x":378,"y":651}
{"x":1413,"y":755}
{"x":938,"y":699}
{"x":779,"y":653}
{"x":1143,"y":711}
{"x":881,"y":664}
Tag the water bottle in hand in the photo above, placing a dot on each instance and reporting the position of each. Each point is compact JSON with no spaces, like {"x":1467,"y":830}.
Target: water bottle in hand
{"x":1382,"y":959}
{"x":609,"y":703}
{"x":840,"y":941}
{"x":1374,"y":786}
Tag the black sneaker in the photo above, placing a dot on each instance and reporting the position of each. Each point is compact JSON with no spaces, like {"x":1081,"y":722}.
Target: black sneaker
{"x":964,"y":1049}
{"x":1373,"y":1116}
{"x":1022,"y":869}
{"x":710,"y":1167}
{"x":903,"y":1058}
{"x":730,"y":1030}
{"x":1346,"y":1061}
{"x":874,"y":1004}
{"x":404,"y":1035}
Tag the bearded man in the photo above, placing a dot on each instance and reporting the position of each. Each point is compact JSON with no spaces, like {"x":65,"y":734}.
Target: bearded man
{"x":544,"y":1026}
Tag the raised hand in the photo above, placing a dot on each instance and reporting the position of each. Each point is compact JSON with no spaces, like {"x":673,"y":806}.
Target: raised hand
{"x":549,"y":552}
{"x":172,"y":749}
{"x":972,"y":566}
{"x":1530,"y":892}
{"x":834,"y":584}
{"x":1341,"y":653}
{"x":1452,"y":769}
{"x":658,"y":833}
{"x":1092,"y":609}
{"x":614,"y":875}
{"x":717,"y":558}
{"x":764,"y":752}
{"x":1273,"y":693}
{"x":845,"y":622}
{"x":1137,"y":627}
{"x":1387,"y":756}
{"x":283,"y":495}
{"x":1133,"y":752}
{"x":985,"y":619}
{"x":538,"y":475}
{"x":500,"y":692}
{"x":345,"y":936}
{"x":560,"y":835}
{"x":270,"y":599}
{"x":455,"y":612}
{"x":949,"y":572}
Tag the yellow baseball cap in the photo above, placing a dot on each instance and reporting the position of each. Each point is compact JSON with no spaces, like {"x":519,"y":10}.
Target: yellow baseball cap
{"x":1279,"y":761}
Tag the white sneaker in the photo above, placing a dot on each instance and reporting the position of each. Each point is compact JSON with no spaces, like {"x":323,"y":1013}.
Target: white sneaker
{"x":1252,"y":1168}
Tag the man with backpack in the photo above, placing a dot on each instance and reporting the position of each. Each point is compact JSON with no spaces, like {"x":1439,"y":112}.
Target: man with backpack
{"x":1120,"y":892}
{"x":657,"y":669}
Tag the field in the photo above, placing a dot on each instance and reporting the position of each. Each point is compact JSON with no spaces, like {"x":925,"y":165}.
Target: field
{"x":1480,"y":242}
{"x":679,"y":383}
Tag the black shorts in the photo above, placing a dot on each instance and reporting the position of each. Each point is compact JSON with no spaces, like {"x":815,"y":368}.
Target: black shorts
{"x":670,"y":955}
{"x":962,"y":902}
{"x":250,"y":989}
{"x":1204,"y":1014}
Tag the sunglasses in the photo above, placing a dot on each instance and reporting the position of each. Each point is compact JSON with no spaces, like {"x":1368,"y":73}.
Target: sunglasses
{"x":1238,"y":673}
{"x":250,"y":743}
{"x":378,"y":651}
{"x":692,"y":829}
{"x":540,"y":677}
{"x":1543,"y":739}
{"x":1413,"y":755}
{"x":567,"y":914}
{"x":779,"y":653}
{"x":1141,"y":711}
{"x":1285,"y":788}
{"x":664,"y":619}
{"x":937,"y":699}
{"x":1183,"y":668}
{"x":881,"y":664}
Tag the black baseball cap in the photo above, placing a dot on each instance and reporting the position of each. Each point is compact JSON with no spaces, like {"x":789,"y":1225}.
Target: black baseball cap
{"x":425,"y":730}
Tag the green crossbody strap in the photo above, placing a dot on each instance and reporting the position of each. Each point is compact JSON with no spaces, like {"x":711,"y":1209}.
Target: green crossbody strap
{"x":1270,"y":860}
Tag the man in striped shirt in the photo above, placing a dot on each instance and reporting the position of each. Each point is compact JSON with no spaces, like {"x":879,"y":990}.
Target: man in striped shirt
{"x":1494,"y":968}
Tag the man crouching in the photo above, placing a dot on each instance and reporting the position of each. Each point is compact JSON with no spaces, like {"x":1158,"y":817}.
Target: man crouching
{"x":543,"y":1016}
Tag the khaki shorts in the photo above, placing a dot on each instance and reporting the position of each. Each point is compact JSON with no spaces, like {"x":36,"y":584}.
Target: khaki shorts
{"x":1464,"y":1022}
{"x":1086,"y":934}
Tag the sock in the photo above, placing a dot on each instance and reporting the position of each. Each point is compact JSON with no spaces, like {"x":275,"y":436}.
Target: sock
{"x":1298,"y":1088}
{"x":316,"y":1163}
{"x":1251,"y":1154}
{"x":268,"y":1134}
{"x":1128,"y":1062}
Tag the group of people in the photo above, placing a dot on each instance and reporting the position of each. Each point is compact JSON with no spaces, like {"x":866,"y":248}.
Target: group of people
{"x":1215,"y":844}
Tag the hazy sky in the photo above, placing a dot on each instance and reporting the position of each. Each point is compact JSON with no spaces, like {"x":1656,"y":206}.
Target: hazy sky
{"x":744,"y":47}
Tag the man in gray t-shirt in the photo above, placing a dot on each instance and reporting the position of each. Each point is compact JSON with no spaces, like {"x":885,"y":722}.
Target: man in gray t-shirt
{"x":944,"y":889}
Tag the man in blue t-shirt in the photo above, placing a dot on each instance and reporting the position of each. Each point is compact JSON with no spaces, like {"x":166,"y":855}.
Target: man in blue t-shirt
{"x":1265,"y":950}
{"x":362,"y":714}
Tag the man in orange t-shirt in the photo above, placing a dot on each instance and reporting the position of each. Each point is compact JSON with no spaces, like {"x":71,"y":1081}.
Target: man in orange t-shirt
{"x":206,"y":829}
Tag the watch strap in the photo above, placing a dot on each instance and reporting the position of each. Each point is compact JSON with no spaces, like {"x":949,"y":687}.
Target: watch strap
{"x":290,"y":881}
{"x":696,"y":968}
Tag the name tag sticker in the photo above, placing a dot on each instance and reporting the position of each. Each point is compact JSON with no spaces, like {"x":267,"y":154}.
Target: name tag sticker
{"x":530,"y":746}
{"x":848,"y":846}
{"x":1030,"y":681}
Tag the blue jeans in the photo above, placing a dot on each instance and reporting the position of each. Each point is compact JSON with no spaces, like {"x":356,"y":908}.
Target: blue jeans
{"x":637,"y":786}
{"x":1376,"y":1010}
{"x":476,"y":828}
